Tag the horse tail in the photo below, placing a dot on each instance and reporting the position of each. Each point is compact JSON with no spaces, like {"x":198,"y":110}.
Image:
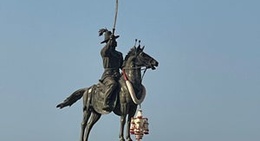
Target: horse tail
{"x":74,"y":97}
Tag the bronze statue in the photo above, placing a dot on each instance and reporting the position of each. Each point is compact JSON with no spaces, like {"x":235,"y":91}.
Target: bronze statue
{"x":123,"y":98}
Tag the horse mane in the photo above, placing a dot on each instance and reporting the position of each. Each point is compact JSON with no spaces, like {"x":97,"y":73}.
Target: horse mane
{"x":130,"y":53}
{"x":133,"y":51}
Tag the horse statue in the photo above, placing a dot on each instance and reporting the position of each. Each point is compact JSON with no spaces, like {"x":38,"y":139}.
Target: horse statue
{"x":128,"y":95}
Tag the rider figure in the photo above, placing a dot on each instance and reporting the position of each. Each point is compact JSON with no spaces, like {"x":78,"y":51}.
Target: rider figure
{"x":112,"y":62}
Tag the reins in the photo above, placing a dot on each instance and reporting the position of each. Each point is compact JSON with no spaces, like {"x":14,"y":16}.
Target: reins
{"x":134,"y":68}
{"x":143,"y":74}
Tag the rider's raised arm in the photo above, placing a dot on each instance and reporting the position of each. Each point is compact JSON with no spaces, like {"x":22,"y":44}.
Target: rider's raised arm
{"x":106,"y":49}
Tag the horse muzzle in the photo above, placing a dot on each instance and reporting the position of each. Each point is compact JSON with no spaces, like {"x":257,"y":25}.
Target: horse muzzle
{"x":154,"y":64}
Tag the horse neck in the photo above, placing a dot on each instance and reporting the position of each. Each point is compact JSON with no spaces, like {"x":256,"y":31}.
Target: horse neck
{"x":134,"y":75}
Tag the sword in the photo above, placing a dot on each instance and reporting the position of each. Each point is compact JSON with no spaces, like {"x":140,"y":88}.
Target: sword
{"x":116,"y":11}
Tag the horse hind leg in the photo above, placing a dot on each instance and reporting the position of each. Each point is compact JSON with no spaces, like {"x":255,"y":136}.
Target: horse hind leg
{"x":94,"y":117}
{"x":86,"y":115}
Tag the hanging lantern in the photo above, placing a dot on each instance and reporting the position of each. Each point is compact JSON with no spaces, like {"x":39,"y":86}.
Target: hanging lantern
{"x":139,"y":125}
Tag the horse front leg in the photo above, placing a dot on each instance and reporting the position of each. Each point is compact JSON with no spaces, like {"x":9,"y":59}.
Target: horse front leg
{"x":122,"y":125}
{"x":128,"y":137}
{"x":131,"y":114}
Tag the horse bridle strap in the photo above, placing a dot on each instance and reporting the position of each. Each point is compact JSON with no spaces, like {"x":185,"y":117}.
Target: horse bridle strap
{"x":124,"y":74}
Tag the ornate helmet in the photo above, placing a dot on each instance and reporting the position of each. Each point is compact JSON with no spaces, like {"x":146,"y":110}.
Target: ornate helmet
{"x":107,"y":36}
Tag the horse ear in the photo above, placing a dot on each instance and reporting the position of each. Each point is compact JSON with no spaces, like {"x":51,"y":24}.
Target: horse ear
{"x":142,"y":48}
{"x":139,"y":45}
{"x":138,"y":48}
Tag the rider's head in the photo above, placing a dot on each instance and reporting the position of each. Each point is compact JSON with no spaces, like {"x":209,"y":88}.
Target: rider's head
{"x":109,"y":36}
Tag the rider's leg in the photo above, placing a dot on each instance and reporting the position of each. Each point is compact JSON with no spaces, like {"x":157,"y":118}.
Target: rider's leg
{"x":111,"y":85}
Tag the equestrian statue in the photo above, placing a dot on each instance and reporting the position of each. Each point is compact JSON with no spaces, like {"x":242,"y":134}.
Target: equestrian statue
{"x":116,"y":92}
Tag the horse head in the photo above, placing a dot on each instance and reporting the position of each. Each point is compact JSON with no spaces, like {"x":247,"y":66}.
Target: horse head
{"x":137,"y":58}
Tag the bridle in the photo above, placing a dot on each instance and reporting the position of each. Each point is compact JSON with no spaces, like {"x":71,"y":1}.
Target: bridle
{"x":142,"y":68}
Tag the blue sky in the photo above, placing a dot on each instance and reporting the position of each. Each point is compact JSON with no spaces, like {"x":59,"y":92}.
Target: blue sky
{"x":206,"y":87}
